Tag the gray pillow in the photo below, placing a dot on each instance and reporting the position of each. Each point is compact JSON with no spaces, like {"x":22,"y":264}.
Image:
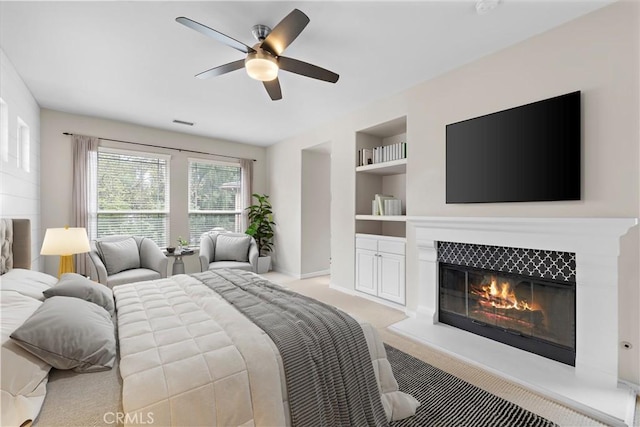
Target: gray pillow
{"x":232,"y":248}
{"x":69,"y":333}
{"x":77,"y":286}
{"x":119,"y":255}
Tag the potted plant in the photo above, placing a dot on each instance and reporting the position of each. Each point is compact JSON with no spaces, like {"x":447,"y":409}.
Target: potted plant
{"x":182,"y":244}
{"x":261,"y":229}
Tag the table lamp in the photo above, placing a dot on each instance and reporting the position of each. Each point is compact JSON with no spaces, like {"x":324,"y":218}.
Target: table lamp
{"x":65,"y":242}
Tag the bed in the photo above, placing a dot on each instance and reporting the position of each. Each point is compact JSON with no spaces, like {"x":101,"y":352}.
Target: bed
{"x":213,"y":348}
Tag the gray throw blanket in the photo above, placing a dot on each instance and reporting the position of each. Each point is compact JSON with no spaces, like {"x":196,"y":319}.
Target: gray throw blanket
{"x":329,"y":374}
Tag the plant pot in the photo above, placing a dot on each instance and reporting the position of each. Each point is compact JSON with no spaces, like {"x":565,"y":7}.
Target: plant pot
{"x":264,"y":264}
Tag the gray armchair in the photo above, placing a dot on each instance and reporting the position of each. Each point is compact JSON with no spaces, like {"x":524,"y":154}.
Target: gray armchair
{"x":219,"y":249}
{"x":125,"y":259}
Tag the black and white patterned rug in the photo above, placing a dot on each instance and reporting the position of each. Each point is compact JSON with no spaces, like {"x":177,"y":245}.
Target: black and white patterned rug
{"x":448,"y":401}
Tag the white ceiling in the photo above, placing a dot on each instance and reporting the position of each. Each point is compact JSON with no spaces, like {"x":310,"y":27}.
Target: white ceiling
{"x":130,"y":61}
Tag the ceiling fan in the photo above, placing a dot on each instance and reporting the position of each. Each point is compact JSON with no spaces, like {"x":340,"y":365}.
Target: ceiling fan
{"x":264,"y":59}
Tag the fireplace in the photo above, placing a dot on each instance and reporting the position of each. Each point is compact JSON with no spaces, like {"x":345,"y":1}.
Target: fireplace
{"x":531,"y":314}
{"x":525,"y":298}
{"x":592,"y":247}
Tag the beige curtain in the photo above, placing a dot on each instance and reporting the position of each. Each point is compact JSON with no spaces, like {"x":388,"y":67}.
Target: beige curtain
{"x":85,"y":199}
{"x":246,"y":166}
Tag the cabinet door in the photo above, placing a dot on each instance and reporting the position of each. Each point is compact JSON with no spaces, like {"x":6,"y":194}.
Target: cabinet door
{"x":391,"y":277}
{"x":366,"y":271}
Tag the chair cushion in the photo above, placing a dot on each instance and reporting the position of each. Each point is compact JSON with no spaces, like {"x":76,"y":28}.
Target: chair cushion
{"x":69,"y":333}
{"x":232,"y":248}
{"x":119,"y":255}
{"x":231,"y":264}
{"x":130,"y":276}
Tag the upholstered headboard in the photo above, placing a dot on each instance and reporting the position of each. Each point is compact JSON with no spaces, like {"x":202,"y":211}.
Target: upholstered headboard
{"x":15,"y":244}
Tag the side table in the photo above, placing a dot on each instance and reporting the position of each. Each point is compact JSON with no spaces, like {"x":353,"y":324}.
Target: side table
{"x":178,"y":264}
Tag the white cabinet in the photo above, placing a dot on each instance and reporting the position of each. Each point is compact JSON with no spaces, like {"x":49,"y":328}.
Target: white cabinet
{"x":367,"y":271}
{"x":380,"y":266}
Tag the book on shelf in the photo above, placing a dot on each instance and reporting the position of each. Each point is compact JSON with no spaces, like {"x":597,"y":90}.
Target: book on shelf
{"x":386,"y":205}
{"x":365,"y":156}
{"x":392,"y":207}
{"x":381,"y":154}
{"x":388,"y":153}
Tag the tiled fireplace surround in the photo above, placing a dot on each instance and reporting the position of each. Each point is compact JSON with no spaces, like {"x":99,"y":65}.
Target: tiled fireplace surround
{"x":592,"y":386}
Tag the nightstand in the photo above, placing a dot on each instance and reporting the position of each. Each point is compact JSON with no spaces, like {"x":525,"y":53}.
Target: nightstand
{"x":178,"y":263}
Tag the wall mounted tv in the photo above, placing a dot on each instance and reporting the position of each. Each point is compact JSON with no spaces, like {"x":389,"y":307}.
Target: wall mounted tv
{"x":523,"y":154}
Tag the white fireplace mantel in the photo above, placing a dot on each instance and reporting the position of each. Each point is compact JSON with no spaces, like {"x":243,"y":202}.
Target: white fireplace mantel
{"x":596,"y":243}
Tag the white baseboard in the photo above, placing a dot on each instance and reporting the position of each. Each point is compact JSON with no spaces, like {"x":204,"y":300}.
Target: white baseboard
{"x":299,"y":276}
{"x":285,"y":272}
{"x":341,"y":289}
{"x":315,"y":274}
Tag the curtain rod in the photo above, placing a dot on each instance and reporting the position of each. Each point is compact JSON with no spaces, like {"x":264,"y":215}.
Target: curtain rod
{"x":166,"y":148}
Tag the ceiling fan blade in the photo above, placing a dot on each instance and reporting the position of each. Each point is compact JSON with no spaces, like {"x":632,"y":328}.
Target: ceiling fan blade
{"x":285,"y":32}
{"x":222,"y":69}
{"x":210,"y":32}
{"x":307,"y":70}
{"x":273,"y":89}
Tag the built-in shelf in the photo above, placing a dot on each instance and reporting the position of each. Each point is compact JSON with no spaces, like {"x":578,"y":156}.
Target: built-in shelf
{"x":386,"y":168}
{"x":383,"y":178}
{"x":381,"y":239}
{"x":397,"y":218}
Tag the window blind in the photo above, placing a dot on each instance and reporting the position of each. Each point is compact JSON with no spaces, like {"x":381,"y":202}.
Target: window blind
{"x":215,"y":197}
{"x":133,"y":194}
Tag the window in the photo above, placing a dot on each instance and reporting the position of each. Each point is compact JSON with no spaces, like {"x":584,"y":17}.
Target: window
{"x":23,"y":145}
{"x":4,"y":131}
{"x":133,"y":194}
{"x":215,"y":197}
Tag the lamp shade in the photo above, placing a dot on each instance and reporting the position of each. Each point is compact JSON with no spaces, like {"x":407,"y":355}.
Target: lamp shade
{"x":65,"y":241}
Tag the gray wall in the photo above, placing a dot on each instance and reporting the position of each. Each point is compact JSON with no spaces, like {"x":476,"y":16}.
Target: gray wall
{"x":19,"y":188}
{"x":598,"y":54}
{"x":56,"y":176}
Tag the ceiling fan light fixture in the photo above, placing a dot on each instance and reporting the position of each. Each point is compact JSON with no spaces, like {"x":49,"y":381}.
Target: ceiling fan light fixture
{"x":261,"y":66}
{"x":264,"y":59}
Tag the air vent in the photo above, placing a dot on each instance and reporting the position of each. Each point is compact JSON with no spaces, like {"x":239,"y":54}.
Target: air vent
{"x":485,"y":6}
{"x":182,"y":122}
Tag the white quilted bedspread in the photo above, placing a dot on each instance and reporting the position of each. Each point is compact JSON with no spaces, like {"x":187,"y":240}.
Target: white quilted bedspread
{"x":189,"y":358}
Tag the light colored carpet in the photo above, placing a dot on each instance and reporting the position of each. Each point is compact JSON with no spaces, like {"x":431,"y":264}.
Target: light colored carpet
{"x":82,"y":399}
{"x":381,"y":316}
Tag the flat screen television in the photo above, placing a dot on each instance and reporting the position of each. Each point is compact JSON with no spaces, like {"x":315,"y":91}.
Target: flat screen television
{"x":523,"y":154}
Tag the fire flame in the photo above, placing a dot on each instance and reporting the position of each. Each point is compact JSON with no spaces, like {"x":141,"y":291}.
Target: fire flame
{"x":502,"y":297}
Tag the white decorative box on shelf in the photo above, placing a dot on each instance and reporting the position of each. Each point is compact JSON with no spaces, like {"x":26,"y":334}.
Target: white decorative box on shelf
{"x":385,"y":168}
